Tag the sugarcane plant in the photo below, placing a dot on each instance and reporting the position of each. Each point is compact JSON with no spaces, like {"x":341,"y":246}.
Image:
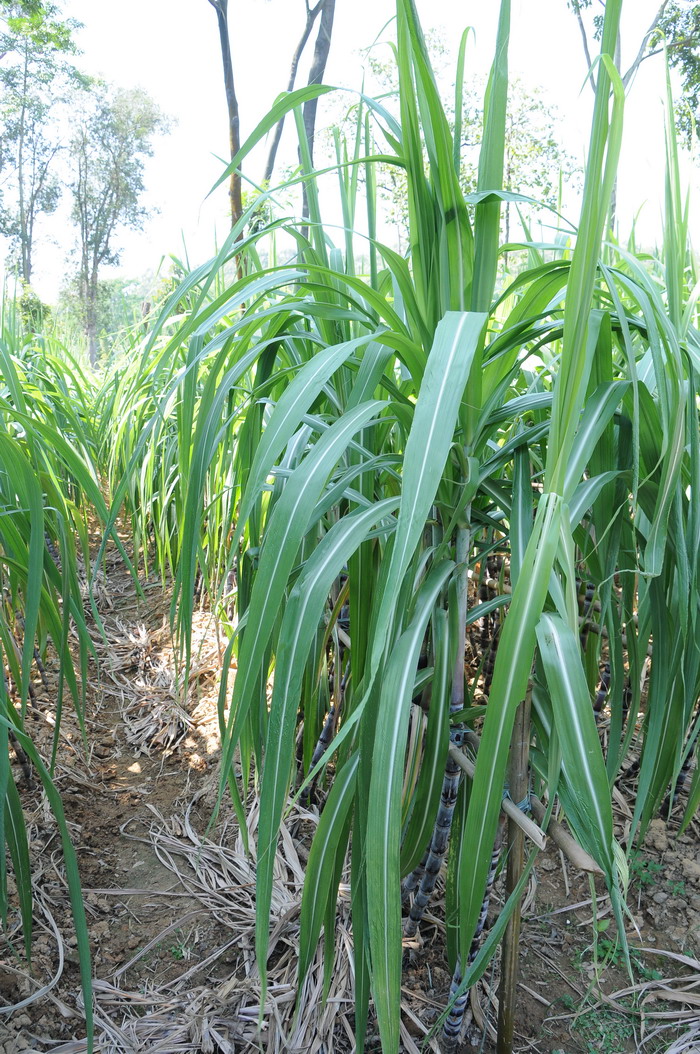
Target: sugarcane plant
{"x":347,"y":449}
{"x":459,"y":384}
{"x":47,"y":481}
{"x":335,"y":459}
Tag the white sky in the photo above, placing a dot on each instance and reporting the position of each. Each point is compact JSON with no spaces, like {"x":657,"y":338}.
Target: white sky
{"x":171,"y":48}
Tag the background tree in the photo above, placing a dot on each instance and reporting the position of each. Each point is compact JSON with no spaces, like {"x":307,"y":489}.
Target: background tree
{"x":535,"y":163}
{"x":36,"y":79}
{"x":234,"y":134}
{"x":675,"y":23}
{"x":316,"y":75}
{"x":122,"y":307}
{"x":40,"y":19}
{"x":108,"y":151}
{"x":324,"y":8}
{"x":312,"y":14}
{"x":22,"y":7}
{"x":680,"y":27}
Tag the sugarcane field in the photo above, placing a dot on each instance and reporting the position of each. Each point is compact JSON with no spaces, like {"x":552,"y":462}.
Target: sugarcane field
{"x":350,"y":527}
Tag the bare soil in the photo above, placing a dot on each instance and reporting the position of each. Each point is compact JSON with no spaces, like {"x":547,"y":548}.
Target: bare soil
{"x":170,"y":899}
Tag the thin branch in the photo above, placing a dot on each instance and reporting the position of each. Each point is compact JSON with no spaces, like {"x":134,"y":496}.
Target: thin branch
{"x":686,"y":42}
{"x":586,"y":50}
{"x":641,"y":56}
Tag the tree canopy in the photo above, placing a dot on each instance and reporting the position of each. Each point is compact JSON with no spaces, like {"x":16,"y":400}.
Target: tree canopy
{"x":108,"y":149}
{"x":37,"y":79}
{"x":674,"y":26}
{"x":680,"y":28}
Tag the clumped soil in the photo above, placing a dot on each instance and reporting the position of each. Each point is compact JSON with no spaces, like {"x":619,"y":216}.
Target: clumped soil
{"x":169,"y":895}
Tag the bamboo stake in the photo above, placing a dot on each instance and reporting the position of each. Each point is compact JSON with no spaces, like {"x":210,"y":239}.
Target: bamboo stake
{"x":575,"y":853}
{"x":561,"y":837}
{"x":533,"y":832}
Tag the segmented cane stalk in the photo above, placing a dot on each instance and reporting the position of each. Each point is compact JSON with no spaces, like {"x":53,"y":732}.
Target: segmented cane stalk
{"x":494,"y":564}
{"x":603,"y":689}
{"x":53,"y":550}
{"x":485,"y":622}
{"x":460,"y":1015}
{"x":22,"y":759}
{"x":626,"y":697}
{"x":429,"y":868}
{"x":19,"y":619}
{"x":490,"y":657}
{"x":438,"y":847}
{"x":410,"y":882}
{"x":585,"y":602}
{"x":327,"y":733}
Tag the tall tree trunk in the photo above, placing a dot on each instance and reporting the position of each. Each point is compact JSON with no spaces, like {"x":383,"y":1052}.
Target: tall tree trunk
{"x":318,"y":68}
{"x":311,"y":15}
{"x":24,"y":249}
{"x":221,"y":8}
{"x":90,"y":300}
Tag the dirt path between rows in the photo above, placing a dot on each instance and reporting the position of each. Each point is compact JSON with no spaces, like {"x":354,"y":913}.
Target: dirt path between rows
{"x":170,"y":905}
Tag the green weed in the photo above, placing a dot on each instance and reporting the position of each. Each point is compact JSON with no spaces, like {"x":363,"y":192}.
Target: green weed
{"x":643,"y":871}
{"x":602,"y":1030}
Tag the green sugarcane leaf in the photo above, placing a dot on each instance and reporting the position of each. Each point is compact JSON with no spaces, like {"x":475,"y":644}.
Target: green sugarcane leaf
{"x":72,"y":875}
{"x":663,"y":740}
{"x":285,"y":530}
{"x":15,"y":831}
{"x":384,"y":811}
{"x":491,"y":158}
{"x":456,"y":341}
{"x":580,"y":324}
{"x":521,"y":511}
{"x":436,"y":741}
{"x":596,"y":415}
{"x":30,"y":493}
{"x":302,"y":614}
{"x":585,"y":494}
{"x":285,"y":103}
{"x":285,"y":418}
{"x":510,"y":678}
{"x":479,"y":610}
{"x":693,"y":800}
{"x":5,"y":777}
{"x":582,"y":758}
{"x":321,"y":866}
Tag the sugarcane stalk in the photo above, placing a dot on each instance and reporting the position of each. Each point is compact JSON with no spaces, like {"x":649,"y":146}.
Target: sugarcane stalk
{"x":412,"y":881}
{"x":328,"y":731}
{"x":462,"y":548}
{"x":672,"y":796}
{"x":438,"y":848}
{"x":459,"y":1015}
{"x":563,"y":840}
{"x":432,"y":863}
